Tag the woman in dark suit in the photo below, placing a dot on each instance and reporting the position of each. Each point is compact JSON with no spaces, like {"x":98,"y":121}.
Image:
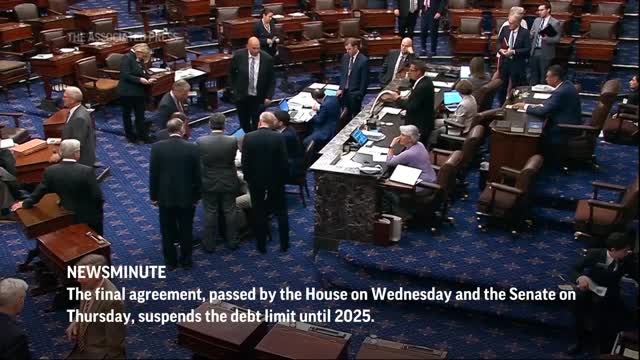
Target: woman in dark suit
{"x":131,"y":90}
{"x":264,"y":30}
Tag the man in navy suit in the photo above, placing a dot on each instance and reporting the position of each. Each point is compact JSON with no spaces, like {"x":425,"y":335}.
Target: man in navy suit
{"x":355,"y":76}
{"x":432,"y":11}
{"x":563,"y":107}
{"x":324,"y":123}
{"x":294,"y":147}
{"x":515,"y":45}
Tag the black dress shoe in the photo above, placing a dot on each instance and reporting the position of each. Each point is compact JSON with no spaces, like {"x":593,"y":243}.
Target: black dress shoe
{"x":574,"y":349}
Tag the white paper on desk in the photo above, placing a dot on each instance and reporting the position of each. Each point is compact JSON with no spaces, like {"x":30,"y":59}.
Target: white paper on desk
{"x":157,"y":70}
{"x":97,"y":43}
{"x":431,"y":74}
{"x":42,"y":56}
{"x":405,"y":175}
{"x":186,"y":74}
{"x":443,"y":84}
{"x":379,"y":150}
{"x":278,"y":16}
{"x":296,"y":14}
{"x":303,"y":116}
{"x":303,"y":99}
{"x":436,"y":90}
{"x":332,"y":87}
{"x":542,"y":88}
{"x":405,"y":93}
{"x":316,"y":86}
{"x":630,"y":353}
{"x":541,"y":96}
{"x":390,"y":110}
{"x":6,"y":143}
{"x":379,"y":158}
{"x":597,"y":289}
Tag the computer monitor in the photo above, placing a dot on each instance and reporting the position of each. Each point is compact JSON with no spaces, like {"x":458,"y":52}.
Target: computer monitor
{"x":465,"y":72}
{"x":452,"y":98}
{"x":359,"y":137}
{"x":284,"y":105}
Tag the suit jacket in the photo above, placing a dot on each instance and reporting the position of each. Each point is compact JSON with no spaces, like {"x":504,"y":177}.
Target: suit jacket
{"x":522,"y":47}
{"x":419,"y":106}
{"x":80,"y":127}
{"x":174,"y":173}
{"x":436,"y":6}
{"x":7,"y":161}
{"x":563,"y":107}
{"x":262,"y":34}
{"x":130,"y":73}
{"x":389,"y":64}
{"x":295,"y":154}
{"x":404,"y":5}
{"x":465,"y":112}
{"x":359,"y":80}
{"x":77,"y":187}
{"x":324,"y":123}
{"x":166,"y":107}
{"x":102,"y":340}
{"x":218,"y":165}
{"x":593,"y":265}
{"x":548,"y":48}
{"x":240,"y":75}
{"x":14,"y":344}
{"x":264,"y":159}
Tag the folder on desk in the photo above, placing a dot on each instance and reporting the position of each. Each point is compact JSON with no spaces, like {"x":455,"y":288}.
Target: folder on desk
{"x":405,"y":175}
{"x":30,"y":147}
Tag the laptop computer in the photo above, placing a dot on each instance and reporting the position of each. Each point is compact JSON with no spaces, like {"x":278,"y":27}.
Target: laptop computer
{"x":451,"y":100}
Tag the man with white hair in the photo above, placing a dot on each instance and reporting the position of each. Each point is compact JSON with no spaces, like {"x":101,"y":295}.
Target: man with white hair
{"x":172,"y":102}
{"x":78,"y":126}
{"x":14,"y":344}
{"x":75,"y":184}
{"x":515,"y":45}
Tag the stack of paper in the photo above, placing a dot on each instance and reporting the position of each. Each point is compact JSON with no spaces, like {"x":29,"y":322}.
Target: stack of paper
{"x":541,"y":96}
{"x":6,"y":143}
{"x":316,"y":86}
{"x":443,"y":84}
{"x":302,"y":99}
{"x":42,"y":57}
{"x":405,"y":175}
{"x":542,"y":88}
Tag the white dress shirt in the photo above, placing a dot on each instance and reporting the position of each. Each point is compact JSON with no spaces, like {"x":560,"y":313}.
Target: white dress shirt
{"x":253,"y":88}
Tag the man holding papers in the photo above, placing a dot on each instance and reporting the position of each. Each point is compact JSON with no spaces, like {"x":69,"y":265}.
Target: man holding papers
{"x":514,"y":44}
{"x":545,"y":34}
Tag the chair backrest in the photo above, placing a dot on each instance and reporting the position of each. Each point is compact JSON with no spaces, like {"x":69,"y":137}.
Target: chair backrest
{"x":609,"y":93}
{"x":486,"y":93}
{"x":54,"y":38}
{"x":458,"y":4}
{"x":349,"y":28}
{"x":59,"y":6}
{"x":599,"y":116}
{"x":325,"y":5}
{"x":470,"y":25}
{"x":87,"y":66}
{"x":26,"y":11}
{"x":508,"y":4}
{"x":498,"y":23}
{"x":277,"y":8}
{"x":630,"y":202}
{"x":104,"y":27}
{"x":528,"y":172}
{"x":560,"y":6}
{"x":312,"y":30}
{"x":48,"y":35}
{"x":113,"y":61}
{"x":448,"y":170}
{"x":227,"y":13}
{"x":358,"y":4}
{"x":470,"y":146}
{"x":175,"y":47}
{"x":602,"y":30}
{"x":609,"y":8}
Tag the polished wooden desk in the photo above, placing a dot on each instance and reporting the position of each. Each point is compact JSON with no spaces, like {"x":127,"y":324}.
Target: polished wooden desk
{"x":289,"y":5}
{"x":45,"y":217}
{"x":599,"y":53}
{"x":375,"y":348}
{"x":11,"y":31}
{"x":86,"y":17}
{"x":381,"y":45}
{"x":303,"y":341}
{"x":237,"y":31}
{"x":66,"y":22}
{"x":244,"y":5}
{"x":58,"y":66}
{"x":30,"y":168}
{"x":292,"y":25}
{"x":64,"y":247}
{"x":330,"y":18}
{"x":334,"y":47}
{"x":381,"y":20}
{"x":303,"y":51}
{"x":55,"y":123}
{"x":216,"y":65}
{"x":587,"y":19}
{"x":456,"y":14}
{"x":162,"y":85}
{"x":193,"y":12}
{"x":221,"y":340}
{"x":564,"y":47}
{"x":468,"y":44}
{"x":102,"y":49}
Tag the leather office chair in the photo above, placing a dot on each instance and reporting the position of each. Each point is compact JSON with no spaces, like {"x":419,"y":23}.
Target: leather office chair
{"x":601,"y":30}
{"x":59,"y":7}
{"x":609,"y":8}
{"x":598,"y":45}
{"x":175,"y":49}
{"x":13,"y":72}
{"x":301,"y":180}
{"x":609,"y":93}
{"x":313,"y":30}
{"x":505,"y":6}
{"x":508,"y":199}
{"x":24,"y":12}
{"x":15,"y":132}
{"x":96,"y":89}
{"x":467,"y":40}
{"x":277,"y":8}
{"x":581,"y":148}
{"x":112,"y":65}
{"x":484,"y":95}
{"x":561,"y":6}
{"x":224,"y":13}
{"x":104,"y":28}
{"x":325,"y":5}
{"x":349,"y":28}
{"x":458,"y":4}
{"x":52,"y":40}
{"x":597,"y":218}
{"x":622,"y":128}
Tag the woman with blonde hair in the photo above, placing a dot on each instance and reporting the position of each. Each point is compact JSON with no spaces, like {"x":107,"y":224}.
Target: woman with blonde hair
{"x":131,"y":89}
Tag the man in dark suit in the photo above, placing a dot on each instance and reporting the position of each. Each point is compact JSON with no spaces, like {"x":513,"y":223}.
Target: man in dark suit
{"x":295,"y":153}
{"x":253,"y":82}
{"x":432,"y":11}
{"x":131,"y":89}
{"x":419,"y":104}
{"x":14,"y":344}
{"x":264,"y":30}
{"x":543,"y":48}
{"x":407,"y":13}
{"x":220,"y":183}
{"x":79,"y":126}
{"x":563,"y":107}
{"x":172,"y":102}
{"x":75,"y":184}
{"x":265,"y":168}
{"x":174,"y":186}
{"x":514,"y":44}
{"x":8,"y":184}
{"x":601,"y":267}
{"x":355,"y":76}
{"x":324,"y":123}
{"x":396,"y":61}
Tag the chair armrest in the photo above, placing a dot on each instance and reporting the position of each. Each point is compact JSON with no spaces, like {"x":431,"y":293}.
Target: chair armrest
{"x":587,"y":128}
{"x":54,"y":12}
{"x":453,"y":137}
{"x":94,"y":79}
{"x":505,"y":170}
{"x":77,"y":8}
{"x":630,"y":107}
{"x":436,"y":168}
{"x":505,"y":188}
{"x":10,"y":53}
{"x":612,"y":187}
{"x":453,"y":123}
{"x":172,"y":57}
{"x":395,"y":185}
{"x":109,"y":72}
{"x":193,"y":52}
{"x":330,"y":35}
{"x":442,"y":151}
{"x":628,"y":117}
{"x":604,"y":204}
{"x":428,"y":185}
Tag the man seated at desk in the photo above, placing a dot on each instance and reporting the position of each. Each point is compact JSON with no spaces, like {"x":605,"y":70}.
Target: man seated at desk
{"x":79,"y":126}
{"x":563,"y":107}
{"x":75,"y":184}
{"x":324,"y":123}
{"x":172,"y":102}
{"x":396,"y":61}
{"x":294,"y":148}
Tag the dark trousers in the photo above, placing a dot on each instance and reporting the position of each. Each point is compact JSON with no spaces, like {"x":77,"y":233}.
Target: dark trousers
{"x":538,"y":66}
{"x":215,"y":203}
{"x":133,"y":104}
{"x":176,"y":226}
{"x":406,"y":24}
{"x":353,"y":102}
{"x":606,"y":315}
{"x":263,"y":202}
{"x":249,"y":109}
{"x":94,"y":222}
{"x":429,"y":25}
{"x":517,"y":75}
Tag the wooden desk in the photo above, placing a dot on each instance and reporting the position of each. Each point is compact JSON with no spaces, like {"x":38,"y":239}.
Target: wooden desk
{"x":586,"y":19}
{"x":303,"y":341}
{"x":30,"y":168}
{"x":374,"y":348}
{"x":66,"y":246}
{"x":289,"y":5}
{"x":456,"y":14}
{"x":102,"y":49}
{"x":54,"y":125}
{"x":237,"y":30}
{"x":330,"y":18}
{"x":216,"y":65}
{"x":599,"y":53}
{"x":45,"y":217}
{"x":192,"y":12}
{"x":244,"y":5}
{"x":221,"y":340}
{"x":381,"y":46}
{"x":65,"y":22}
{"x":467,"y":44}
{"x":563,"y":49}
{"x":381,"y":20}
{"x":58,"y":66}
{"x":162,"y":85}
{"x":292,"y":25}
{"x":86,"y":17}
{"x":303,"y":51}
{"x":11,"y":31}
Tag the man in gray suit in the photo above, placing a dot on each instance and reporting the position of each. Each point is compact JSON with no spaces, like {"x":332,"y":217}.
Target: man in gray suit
{"x":79,"y":126}
{"x":543,"y":48}
{"x":220,"y":183}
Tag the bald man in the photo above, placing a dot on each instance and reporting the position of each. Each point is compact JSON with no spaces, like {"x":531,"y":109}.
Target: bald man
{"x":396,"y":61}
{"x":253,"y":83}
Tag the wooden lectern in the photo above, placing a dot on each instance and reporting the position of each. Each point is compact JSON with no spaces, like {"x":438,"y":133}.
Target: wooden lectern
{"x":45,"y":217}
{"x":374,"y":348}
{"x":30,"y":168}
{"x":54,"y":125}
{"x":303,"y":341}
